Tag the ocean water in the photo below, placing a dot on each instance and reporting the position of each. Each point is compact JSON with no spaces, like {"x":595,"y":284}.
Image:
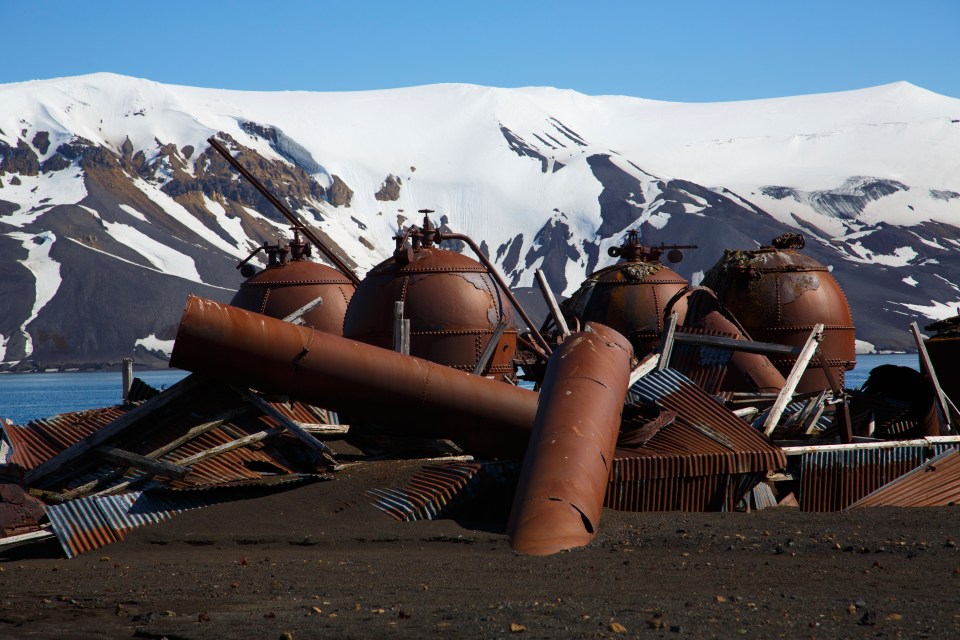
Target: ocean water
{"x":28,"y":396}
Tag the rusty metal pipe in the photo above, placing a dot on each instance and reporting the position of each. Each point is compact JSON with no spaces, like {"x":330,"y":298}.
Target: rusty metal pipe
{"x":565,"y":472}
{"x":289,"y":215}
{"x":492,"y":270}
{"x":414,"y":396}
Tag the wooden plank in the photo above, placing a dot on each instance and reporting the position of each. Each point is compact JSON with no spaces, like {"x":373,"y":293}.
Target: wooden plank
{"x":10,"y":542}
{"x":230,"y":446}
{"x":551,"y":301}
{"x":127,"y":377}
{"x":323,"y":450}
{"x":115,"y":428}
{"x":143,"y":463}
{"x":747,"y":346}
{"x":325,"y":429}
{"x":648,"y":365}
{"x":927,"y":367}
{"x":401,"y":330}
{"x":666,"y":343}
{"x":786,"y":394}
{"x":884,"y":444}
{"x":297,"y":316}
{"x":490,"y":348}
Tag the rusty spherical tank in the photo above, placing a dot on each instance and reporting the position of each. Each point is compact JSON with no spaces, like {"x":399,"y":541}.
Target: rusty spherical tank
{"x":944,"y":351}
{"x":631,"y":295}
{"x":778,"y":294}
{"x":451,"y":301}
{"x":285,"y":286}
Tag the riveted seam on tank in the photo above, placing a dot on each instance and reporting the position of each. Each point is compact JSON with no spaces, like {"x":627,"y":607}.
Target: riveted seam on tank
{"x":263,"y":303}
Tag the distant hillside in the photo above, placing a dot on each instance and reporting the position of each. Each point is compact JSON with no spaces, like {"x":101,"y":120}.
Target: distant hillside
{"x":113,"y":207}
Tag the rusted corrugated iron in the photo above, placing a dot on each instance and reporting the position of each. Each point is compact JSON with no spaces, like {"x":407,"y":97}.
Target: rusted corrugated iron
{"x":680,"y":492}
{"x":413,"y":396}
{"x":213,"y":405}
{"x":40,"y":440}
{"x":706,"y":459}
{"x":833,"y":479}
{"x":427,"y":494}
{"x":703,"y":427}
{"x":936,"y":483}
{"x":565,"y":471}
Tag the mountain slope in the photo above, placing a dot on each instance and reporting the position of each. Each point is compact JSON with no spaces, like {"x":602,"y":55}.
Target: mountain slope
{"x":113,"y":207}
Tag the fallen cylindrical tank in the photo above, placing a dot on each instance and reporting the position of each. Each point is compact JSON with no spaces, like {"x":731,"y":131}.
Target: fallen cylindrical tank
{"x":411,"y":395}
{"x":563,"y":480}
{"x":747,"y":372}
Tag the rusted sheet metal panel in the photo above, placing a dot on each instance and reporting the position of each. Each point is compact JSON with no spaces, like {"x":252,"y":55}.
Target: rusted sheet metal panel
{"x":936,"y":483}
{"x":429,"y":493}
{"x":305,"y":413}
{"x":716,"y":492}
{"x":40,"y":440}
{"x":564,"y":476}
{"x":706,"y":435}
{"x":90,"y":523}
{"x":415,"y":396}
{"x":833,"y":480}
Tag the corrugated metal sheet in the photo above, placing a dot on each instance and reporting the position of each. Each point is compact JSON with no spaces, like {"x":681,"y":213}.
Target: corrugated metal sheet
{"x":40,"y":440}
{"x":936,"y":483}
{"x":704,"y":438}
{"x":705,"y":366}
{"x":427,"y":494}
{"x":832,"y":480}
{"x":305,"y":413}
{"x":90,"y":523}
{"x":706,"y":459}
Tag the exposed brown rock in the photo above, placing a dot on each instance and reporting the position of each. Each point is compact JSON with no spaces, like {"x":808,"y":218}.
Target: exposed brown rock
{"x":389,"y":190}
{"x":22,"y":160}
{"x":41,"y":141}
{"x":340,"y":193}
{"x":56,"y":162}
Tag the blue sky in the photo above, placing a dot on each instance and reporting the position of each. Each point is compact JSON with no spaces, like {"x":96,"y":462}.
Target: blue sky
{"x":688,"y":51}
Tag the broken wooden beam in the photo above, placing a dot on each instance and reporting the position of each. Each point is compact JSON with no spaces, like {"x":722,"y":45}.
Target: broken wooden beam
{"x":143,"y":463}
{"x":112,"y":430}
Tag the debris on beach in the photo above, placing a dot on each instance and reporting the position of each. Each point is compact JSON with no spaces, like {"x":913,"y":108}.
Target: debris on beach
{"x":638,"y":393}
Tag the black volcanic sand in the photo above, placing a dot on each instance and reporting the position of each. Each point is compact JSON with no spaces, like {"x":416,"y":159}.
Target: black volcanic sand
{"x":291,"y":565}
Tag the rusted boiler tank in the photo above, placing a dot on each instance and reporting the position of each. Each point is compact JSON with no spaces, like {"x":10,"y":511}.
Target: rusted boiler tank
{"x":630,"y":295}
{"x":944,"y":351}
{"x":454,"y":306}
{"x":778,"y":294}
{"x":291,"y":282}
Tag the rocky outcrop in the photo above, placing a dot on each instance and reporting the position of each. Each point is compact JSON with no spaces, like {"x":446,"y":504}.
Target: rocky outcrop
{"x":389,"y":190}
{"x":339,"y":193}
{"x":22,"y":159}
{"x":41,"y":141}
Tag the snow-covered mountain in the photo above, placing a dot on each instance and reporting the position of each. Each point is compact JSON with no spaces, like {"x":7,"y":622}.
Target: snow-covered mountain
{"x":113,"y":207}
